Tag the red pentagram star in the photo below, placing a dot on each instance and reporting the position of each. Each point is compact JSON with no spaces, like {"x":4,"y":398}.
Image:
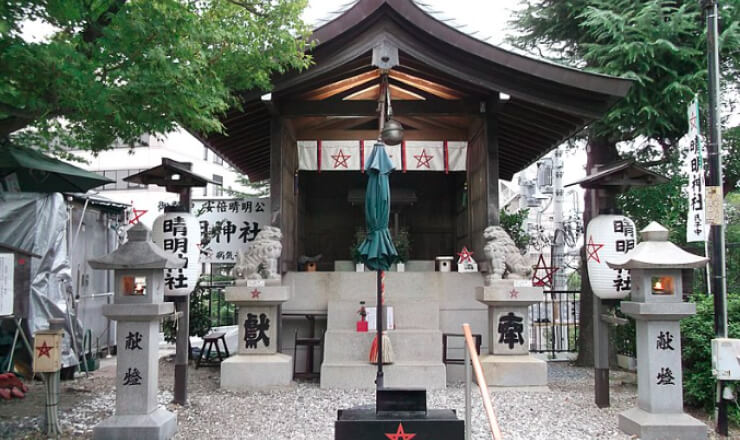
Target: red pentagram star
{"x":256,"y":293}
{"x":593,"y":249}
{"x":465,"y":255}
{"x":340,"y":159}
{"x":423,"y":159}
{"x":692,"y":121}
{"x":44,"y":350}
{"x":546,"y":279}
{"x":400,"y":434}
{"x":513,"y":293}
{"x":137,"y":215}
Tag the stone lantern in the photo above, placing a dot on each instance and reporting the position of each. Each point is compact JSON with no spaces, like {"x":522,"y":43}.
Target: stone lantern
{"x":657,"y":307}
{"x":138,"y":306}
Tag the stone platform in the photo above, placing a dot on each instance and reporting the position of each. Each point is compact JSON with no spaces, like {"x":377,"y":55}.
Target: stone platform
{"x":649,"y":426}
{"x":157,"y":425}
{"x":416,"y":342}
{"x":245,"y":372}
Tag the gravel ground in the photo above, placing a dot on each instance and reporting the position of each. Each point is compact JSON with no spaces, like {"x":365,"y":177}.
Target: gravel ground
{"x":305,"y":411}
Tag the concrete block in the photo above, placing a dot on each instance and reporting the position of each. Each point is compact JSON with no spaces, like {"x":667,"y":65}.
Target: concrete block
{"x":505,"y":293}
{"x":257,"y":296}
{"x":657,"y":311}
{"x":245,"y":372}
{"x":408,"y":345}
{"x":648,"y":426}
{"x":415,"y":314}
{"x":361,"y":375}
{"x":514,"y":371}
{"x":157,"y":425}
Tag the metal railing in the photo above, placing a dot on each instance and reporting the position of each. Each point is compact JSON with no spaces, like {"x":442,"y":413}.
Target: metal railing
{"x":554,"y":322}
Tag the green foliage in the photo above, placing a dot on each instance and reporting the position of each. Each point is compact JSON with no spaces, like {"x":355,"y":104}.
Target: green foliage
{"x":512,"y":224}
{"x":402,"y":243}
{"x":574,"y":281}
{"x":113,"y":70}
{"x":354,"y":250}
{"x":660,"y":45}
{"x":200,"y":322}
{"x":696,"y":332}
{"x":665,"y":204}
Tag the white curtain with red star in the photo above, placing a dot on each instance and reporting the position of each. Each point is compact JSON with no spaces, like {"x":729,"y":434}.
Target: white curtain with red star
{"x":351,"y":155}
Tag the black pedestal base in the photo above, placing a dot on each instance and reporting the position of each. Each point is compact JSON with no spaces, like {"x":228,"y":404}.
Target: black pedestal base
{"x":363,"y":423}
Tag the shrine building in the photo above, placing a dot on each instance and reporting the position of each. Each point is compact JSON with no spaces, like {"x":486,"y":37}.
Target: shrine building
{"x":472,"y":114}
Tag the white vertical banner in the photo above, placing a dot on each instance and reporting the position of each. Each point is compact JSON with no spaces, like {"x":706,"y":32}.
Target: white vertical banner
{"x":7,"y":272}
{"x":179,"y":233}
{"x":457,"y":155}
{"x":307,"y":155}
{"x":340,"y":155}
{"x":696,"y":228}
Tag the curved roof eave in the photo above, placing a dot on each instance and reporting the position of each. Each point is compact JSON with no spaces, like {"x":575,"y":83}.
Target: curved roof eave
{"x":569,"y":76}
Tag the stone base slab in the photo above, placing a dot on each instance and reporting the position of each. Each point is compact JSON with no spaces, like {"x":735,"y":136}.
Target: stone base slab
{"x":158,"y":425}
{"x":514,"y":371}
{"x":245,"y":372}
{"x":649,"y":426}
{"x":361,"y":375}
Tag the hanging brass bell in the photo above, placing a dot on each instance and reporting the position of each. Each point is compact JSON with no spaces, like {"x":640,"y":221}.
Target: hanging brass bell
{"x":392,"y":133}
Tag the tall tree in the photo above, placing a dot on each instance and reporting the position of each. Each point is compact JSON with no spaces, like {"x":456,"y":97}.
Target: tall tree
{"x":112,"y":70}
{"x":661,"y":45}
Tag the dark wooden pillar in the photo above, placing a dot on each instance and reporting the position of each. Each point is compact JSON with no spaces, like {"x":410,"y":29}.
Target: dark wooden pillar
{"x":490,"y":126}
{"x":276,"y":167}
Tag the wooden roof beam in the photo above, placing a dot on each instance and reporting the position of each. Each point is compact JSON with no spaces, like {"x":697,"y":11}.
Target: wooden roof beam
{"x":370,"y":108}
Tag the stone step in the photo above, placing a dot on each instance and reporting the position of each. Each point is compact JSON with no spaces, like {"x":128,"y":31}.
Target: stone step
{"x":408,"y":345}
{"x":407,"y":314}
{"x":354,"y":375}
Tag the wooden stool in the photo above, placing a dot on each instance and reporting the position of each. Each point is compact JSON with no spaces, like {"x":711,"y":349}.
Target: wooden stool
{"x":310,"y":344}
{"x":212,"y":339}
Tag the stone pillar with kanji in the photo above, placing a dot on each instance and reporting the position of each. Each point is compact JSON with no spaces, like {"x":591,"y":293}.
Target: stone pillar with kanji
{"x":508,"y":362}
{"x":138,"y":307}
{"x":657,"y":307}
{"x":508,"y":293}
{"x":257,"y":294}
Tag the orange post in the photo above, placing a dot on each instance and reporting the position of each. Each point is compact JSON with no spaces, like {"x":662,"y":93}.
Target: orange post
{"x":487,"y":405}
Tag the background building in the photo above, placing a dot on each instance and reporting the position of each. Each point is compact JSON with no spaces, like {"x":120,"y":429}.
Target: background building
{"x":125,"y":160}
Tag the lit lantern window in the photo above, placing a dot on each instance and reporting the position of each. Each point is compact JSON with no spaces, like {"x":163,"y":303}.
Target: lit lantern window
{"x":662,"y":285}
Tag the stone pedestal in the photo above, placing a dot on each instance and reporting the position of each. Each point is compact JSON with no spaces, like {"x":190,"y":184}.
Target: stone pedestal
{"x":257,"y":364}
{"x":138,"y":415}
{"x":509,"y":363}
{"x":659,"y":412}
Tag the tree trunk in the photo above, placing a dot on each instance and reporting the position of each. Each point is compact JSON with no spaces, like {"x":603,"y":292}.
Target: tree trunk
{"x":599,"y":151}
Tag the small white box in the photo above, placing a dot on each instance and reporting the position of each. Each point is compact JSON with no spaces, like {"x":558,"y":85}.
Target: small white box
{"x":726,"y":358}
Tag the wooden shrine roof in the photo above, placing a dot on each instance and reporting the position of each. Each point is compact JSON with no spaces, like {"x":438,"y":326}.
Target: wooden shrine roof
{"x":444,"y":79}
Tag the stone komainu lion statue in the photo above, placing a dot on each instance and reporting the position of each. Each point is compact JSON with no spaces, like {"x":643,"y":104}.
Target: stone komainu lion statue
{"x":504,"y":257}
{"x":261,"y":259}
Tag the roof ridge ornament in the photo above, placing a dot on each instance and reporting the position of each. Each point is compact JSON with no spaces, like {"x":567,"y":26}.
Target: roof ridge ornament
{"x":654,"y":232}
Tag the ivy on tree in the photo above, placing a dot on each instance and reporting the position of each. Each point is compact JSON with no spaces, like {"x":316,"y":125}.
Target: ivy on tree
{"x":113,"y":70}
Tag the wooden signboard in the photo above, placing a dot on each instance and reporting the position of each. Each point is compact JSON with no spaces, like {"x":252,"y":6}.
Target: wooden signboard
{"x":47,"y":345}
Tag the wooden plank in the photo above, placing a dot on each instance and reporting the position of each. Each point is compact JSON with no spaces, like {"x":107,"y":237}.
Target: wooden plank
{"x":369,"y":108}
